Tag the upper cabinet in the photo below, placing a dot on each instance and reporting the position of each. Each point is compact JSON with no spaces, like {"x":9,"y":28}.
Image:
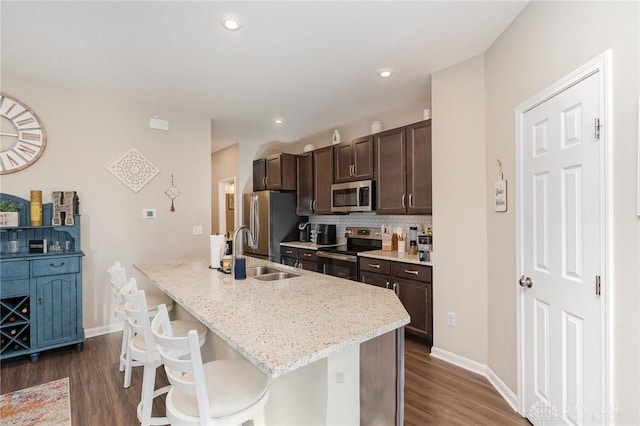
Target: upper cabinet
{"x":353,"y":160}
{"x":315,"y":176}
{"x":403,"y":170}
{"x":276,"y":172}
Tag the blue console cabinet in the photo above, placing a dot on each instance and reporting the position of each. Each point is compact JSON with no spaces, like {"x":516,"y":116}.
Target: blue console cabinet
{"x":40,"y":293}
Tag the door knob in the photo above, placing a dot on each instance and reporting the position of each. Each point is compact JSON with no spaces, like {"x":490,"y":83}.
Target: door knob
{"x":525,"y":282}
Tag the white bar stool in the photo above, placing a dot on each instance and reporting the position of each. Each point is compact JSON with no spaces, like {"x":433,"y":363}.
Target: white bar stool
{"x":118,"y":279}
{"x":143,"y":350}
{"x":221,"y":392}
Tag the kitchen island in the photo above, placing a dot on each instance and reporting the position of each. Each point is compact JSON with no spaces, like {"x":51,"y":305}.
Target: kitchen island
{"x":310,"y":333}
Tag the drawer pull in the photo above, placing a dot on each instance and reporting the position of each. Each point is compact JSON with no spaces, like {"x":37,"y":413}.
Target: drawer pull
{"x":53,"y":265}
{"x":411,"y":272}
{"x":288,"y":252}
{"x":374,"y":265}
{"x":307,"y":254}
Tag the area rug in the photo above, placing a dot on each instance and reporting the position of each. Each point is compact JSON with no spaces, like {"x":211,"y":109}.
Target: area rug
{"x":46,"y":404}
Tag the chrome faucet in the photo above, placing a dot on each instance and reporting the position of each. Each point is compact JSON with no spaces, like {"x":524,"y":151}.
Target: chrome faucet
{"x":234,"y":248}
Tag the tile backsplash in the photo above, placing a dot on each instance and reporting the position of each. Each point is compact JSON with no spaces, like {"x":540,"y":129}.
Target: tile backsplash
{"x":371,"y":220}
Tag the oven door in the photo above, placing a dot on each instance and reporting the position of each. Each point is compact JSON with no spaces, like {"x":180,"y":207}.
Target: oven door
{"x":338,"y":264}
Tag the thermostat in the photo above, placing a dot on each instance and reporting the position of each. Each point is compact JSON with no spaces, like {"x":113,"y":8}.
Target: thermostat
{"x":148,"y":213}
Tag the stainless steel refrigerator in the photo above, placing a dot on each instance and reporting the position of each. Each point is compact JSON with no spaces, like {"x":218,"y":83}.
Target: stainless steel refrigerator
{"x":271,"y":218}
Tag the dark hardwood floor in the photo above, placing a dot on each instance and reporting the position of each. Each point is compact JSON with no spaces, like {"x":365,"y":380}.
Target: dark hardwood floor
{"x":436,"y":392}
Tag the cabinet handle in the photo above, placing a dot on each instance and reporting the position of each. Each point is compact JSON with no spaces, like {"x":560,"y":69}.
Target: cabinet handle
{"x":395,"y":288}
{"x":307,"y":254}
{"x":403,"y":205}
{"x":387,"y":286}
{"x":288,"y":251}
{"x":411,"y":272}
{"x":352,"y":170}
{"x":410,"y":200}
{"x":40,"y":301}
{"x":53,"y":265}
{"x":374,"y":265}
{"x":315,"y":204}
{"x":311,"y":204}
{"x":264,"y":181}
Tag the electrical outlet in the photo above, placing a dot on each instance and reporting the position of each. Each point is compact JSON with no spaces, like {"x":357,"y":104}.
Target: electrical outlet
{"x":451,"y":319}
{"x":197,"y":229}
{"x":340,"y":377}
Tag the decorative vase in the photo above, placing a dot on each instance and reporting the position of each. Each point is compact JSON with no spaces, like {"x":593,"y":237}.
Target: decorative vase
{"x":36,"y":208}
{"x":9,"y":219}
{"x":336,"y":136}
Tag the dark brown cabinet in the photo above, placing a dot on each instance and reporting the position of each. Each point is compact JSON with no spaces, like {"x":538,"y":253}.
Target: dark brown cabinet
{"x":315,"y":176}
{"x":413,"y":285}
{"x":299,"y":257}
{"x":276,"y":172}
{"x":403,"y":170}
{"x":353,"y":160}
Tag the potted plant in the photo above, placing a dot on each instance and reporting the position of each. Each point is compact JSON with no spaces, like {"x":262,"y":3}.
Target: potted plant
{"x":9,"y":214}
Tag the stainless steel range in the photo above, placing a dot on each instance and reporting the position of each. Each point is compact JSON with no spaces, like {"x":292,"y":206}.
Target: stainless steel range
{"x":342,"y":261}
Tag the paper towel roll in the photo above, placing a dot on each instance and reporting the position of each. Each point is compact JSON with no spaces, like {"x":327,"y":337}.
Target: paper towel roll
{"x":217,"y":243}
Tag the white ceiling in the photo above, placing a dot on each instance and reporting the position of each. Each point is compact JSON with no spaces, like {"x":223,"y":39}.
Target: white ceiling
{"x":312,"y":63}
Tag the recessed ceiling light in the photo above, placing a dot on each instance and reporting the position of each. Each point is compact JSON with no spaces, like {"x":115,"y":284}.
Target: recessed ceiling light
{"x":385,"y":72}
{"x":278,"y":120}
{"x":231,"y":23}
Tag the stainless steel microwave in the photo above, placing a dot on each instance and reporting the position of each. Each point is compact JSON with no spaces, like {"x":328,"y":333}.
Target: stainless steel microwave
{"x":356,"y":196}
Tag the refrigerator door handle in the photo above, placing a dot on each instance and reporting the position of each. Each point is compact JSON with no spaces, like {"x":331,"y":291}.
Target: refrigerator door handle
{"x":256,"y":222}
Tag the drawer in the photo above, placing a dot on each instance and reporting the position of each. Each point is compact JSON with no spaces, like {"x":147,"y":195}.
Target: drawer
{"x":289,"y":251}
{"x":17,"y":269}
{"x":412,"y":271}
{"x":55,"y":266}
{"x":308,"y":255}
{"x":375,"y":265}
{"x":14,"y":288}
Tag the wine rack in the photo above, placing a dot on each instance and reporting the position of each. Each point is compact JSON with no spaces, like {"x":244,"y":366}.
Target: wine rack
{"x":15,"y":325}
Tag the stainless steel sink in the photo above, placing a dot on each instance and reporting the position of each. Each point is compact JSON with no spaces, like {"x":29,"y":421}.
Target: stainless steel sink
{"x":254,"y":271}
{"x":275,"y":276}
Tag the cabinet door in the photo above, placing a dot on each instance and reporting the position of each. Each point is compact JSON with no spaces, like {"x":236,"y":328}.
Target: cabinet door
{"x":362,"y":153}
{"x":274,"y":172}
{"x":379,"y":280}
{"x":56,"y":308}
{"x":308,"y":266}
{"x":391,"y":172}
{"x":343,"y":171}
{"x":416,"y":298}
{"x":259,"y":174}
{"x":290,"y":261}
{"x":419,"y":168}
{"x":323,"y":178}
{"x":281,"y":172}
{"x":305,"y":185}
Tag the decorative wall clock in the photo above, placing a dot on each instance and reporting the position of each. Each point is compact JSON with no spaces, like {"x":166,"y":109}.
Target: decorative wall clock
{"x":23,"y":136}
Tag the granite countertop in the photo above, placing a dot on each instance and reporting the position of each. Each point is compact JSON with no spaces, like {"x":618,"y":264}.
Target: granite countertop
{"x":280,"y":325}
{"x":307,"y":245}
{"x":394,"y":256}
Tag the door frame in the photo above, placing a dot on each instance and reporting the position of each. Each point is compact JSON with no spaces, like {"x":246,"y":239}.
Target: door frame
{"x":222,"y":203}
{"x":602,"y":65}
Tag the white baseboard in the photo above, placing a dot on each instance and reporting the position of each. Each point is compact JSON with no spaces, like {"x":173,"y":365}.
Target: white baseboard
{"x":105,"y":329}
{"x":478,"y":368}
{"x":503,"y":389}
{"x":460,"y":361}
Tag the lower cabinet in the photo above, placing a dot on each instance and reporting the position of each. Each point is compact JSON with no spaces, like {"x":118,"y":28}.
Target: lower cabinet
{"x":43,"y":309}
{"x":413,"y":285}
{"x":299,"y":258}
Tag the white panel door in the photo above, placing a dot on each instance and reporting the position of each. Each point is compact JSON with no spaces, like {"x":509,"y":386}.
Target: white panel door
{"x":561,"y":245}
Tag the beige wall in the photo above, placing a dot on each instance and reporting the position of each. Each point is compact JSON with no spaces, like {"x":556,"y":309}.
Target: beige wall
{"x":224,"y":165}
{"x":460,"y":210}
{"x":547,"y":41}
{"x":85,"y":134}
